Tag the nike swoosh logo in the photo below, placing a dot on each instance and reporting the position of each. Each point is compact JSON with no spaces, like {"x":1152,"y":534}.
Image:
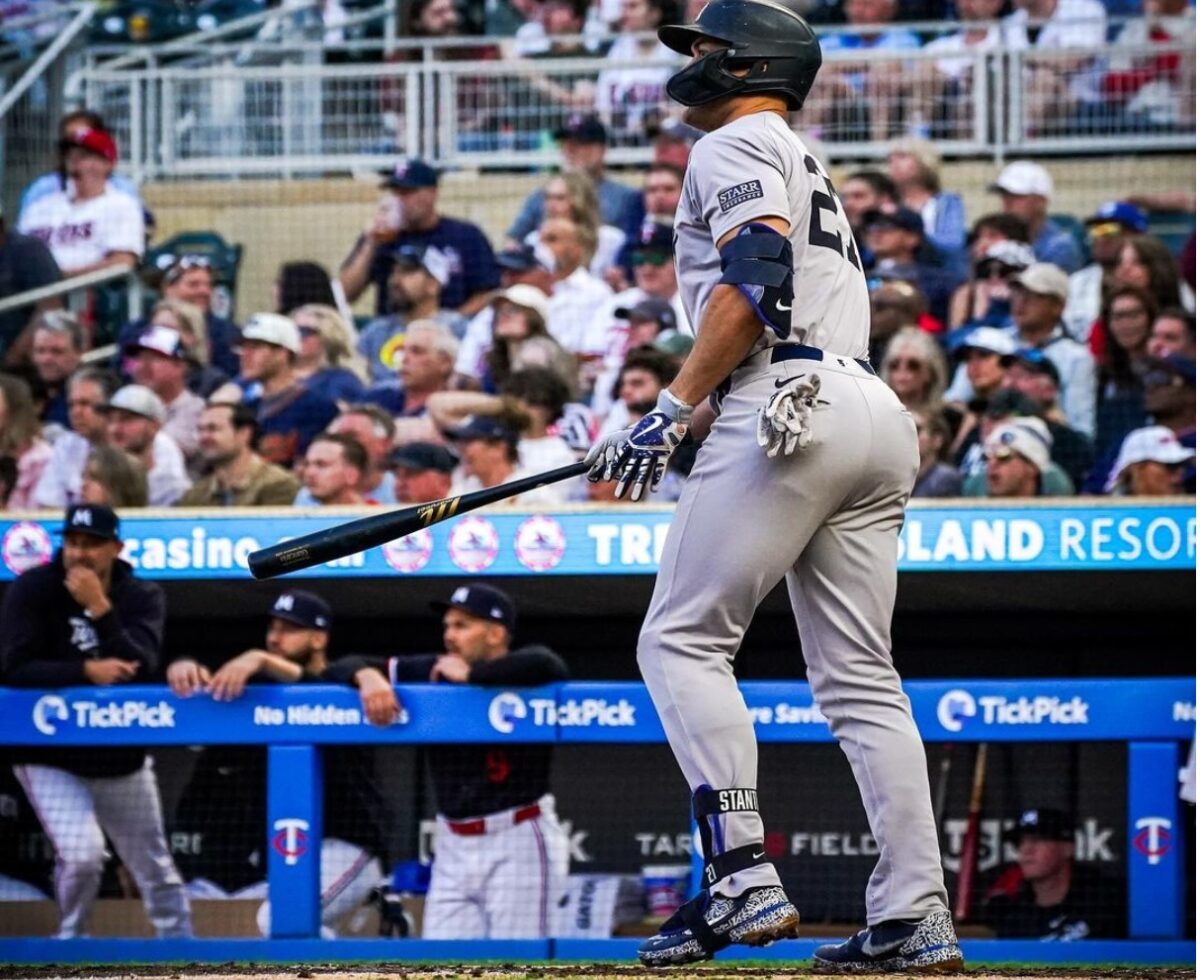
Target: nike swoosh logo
{"x":781,"y":308}
{"x":872,"y":950}
{"x":780,"y":383}
{"x":760,"y":854}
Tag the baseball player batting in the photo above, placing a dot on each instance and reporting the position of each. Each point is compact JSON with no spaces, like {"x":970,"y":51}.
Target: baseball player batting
{"x":804,"y":475}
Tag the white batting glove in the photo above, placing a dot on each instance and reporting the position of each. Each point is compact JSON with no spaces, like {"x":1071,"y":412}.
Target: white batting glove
{"x":785,"y":422}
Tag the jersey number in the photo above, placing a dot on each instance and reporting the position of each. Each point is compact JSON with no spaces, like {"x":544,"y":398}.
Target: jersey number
{"x":827,"y":202}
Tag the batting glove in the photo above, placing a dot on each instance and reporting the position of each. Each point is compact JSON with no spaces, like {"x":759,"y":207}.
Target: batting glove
{"x":637,"y":457}
{"x":785,"y":422}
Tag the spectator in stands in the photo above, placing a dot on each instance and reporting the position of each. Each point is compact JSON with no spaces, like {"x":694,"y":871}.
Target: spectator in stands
{"x":289,"y":415}
{"x":671,"y":141}
{"x":70,"y":127}
{"x":644,"y":373}
{"x":572,"y":195}
{"x":409,"y":216}
{"x":538,"y":397}
{"x":1155,"y":89}
{"x":1151,"y":463}
{"x":480,"y":790}
{"x":1038,"y":297}
{"x":334,"y":467}
{"x":1146,"y":262}
{"x":610,"y":334}
{"x":21,"y":439}
{"x":160,"y":363}
{"x":327,"y":364}
{"x":415,"y":287}
{"x":913,"y":367}
{"x":429,"y":356}
{"x":113,"y":478}
{"x":661,"y":191}
{"x":1173,"y":332}
{"x":88,"y":225}
{"x":1025,"y":190}
{"x":862,"y":192}
{"x":1108,"y":230}
{"x":995,"y":228}
{"x":577,"y":293}
{"x":189,"y":279}
{"x":1018,"y":461}
{"x":58,"y":345}
{"x":422,"y":472}
{"x":629,"y":98}
{"x":894,"y":305}
{"x":135,"y":420}
{"x":88,"y":391}
{"x":583,"y":141}
{"x":1060,"y":91}
{"x":915,"y":167}
{"x":854,"y":99}
{"x":294,"y":652}
{"x":895,"y":239}
{"x":1047,"y":896}
{"x":1170,"y":392}
{"x":935,"y":476}
{"x":300,"y":284}
{"x":487,"y":448}
{"x":1034,"y":375}
{"x":1126,"y":318}
{"x":239,"y":477}
{"x":187,"y":321}
{"x":25,"y":264}
{"x":984,"y":300}
{"x":84,"y":619}
{"x":523,"y":340}
{"x":986,"y":354}
{"x":373,"y":429}
{"x":950,"y":81}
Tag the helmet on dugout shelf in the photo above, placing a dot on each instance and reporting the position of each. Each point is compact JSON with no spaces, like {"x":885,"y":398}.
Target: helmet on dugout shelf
{"x":767,"y":37}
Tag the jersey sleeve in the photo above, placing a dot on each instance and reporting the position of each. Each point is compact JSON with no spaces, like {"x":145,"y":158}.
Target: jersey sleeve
{"x":734,"y":181}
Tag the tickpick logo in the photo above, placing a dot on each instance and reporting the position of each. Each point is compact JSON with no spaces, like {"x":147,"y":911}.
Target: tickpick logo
{"x":505,"y":709}
{"x":954,"y":708}
{"x":47,"y":711}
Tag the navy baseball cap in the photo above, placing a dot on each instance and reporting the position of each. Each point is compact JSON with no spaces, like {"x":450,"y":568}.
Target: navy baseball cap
{"x":522,"y":258}
{"x":304,"y":609}
{"x":582,"y":129}
{"x":410,"y":175}
{"x":1122,"y":212}
{"x":1044,"y":823}
{"x":655,"y":236}
{"x":94,"y":519}
{"x":482,"y":602}
{"x":424,"y":456}
{"x":653,"y":309}
{"x":1036,"y":361}
{"x":902,"y":218}
{"x":1009,"y":401}
{"x":483,"y":427}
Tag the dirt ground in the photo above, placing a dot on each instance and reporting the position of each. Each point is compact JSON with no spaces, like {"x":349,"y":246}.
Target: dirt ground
{"x":508,"y":971}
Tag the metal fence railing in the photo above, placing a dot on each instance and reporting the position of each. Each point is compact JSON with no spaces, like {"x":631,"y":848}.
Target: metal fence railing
{"x":290,"y":111}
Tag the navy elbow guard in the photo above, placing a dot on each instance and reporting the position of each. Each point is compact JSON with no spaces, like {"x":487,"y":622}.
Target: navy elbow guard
{"x":758,"y":260}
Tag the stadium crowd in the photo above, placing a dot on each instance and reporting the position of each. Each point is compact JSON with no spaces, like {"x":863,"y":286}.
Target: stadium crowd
{"x":1029,"y":369}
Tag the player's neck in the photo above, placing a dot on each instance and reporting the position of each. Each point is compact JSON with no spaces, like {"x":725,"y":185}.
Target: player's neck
{"x":748,"y":106}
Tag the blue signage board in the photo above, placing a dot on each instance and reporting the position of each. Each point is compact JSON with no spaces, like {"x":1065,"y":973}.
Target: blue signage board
{"x":628,"y":541}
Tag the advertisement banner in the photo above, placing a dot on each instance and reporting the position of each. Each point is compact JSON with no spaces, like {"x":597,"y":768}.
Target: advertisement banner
{"x":966,"y":537}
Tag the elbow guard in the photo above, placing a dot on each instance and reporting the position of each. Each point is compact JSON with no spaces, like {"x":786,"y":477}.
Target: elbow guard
{"x":758,"y":261}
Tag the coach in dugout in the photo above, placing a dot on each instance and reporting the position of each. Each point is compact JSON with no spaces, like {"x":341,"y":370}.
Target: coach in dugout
{"x":500,"y":854}
{"x":85,"y":619}
{"x":224,"y":806}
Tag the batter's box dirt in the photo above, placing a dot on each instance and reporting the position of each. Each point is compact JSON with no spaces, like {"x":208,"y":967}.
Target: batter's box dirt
{"x":505,"y":971}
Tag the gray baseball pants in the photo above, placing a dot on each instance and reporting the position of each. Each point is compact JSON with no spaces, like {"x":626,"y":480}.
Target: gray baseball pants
{"x":827,"y":519}
{"x":76,"y":813}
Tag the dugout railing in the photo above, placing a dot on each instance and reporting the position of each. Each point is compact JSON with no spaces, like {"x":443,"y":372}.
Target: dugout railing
{"x":1154,"y":717}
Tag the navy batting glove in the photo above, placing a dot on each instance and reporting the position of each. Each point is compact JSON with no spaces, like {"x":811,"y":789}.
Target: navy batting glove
{"x":641,"y":462}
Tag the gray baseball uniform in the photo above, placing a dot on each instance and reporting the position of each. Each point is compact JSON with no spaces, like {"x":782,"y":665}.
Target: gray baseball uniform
{"x":826,"y":518}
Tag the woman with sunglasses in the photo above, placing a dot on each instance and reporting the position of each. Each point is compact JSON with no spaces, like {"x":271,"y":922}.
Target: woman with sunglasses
{"x":327,"y":363}
{"x":913,"y":367}
{"x":983,"y":300}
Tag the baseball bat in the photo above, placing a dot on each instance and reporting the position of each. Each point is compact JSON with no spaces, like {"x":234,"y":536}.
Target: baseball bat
{"x":369,"y":532}
{"x":969,"y":861}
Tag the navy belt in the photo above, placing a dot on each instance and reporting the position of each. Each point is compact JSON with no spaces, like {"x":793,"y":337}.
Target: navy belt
{"x":802,"y":352}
